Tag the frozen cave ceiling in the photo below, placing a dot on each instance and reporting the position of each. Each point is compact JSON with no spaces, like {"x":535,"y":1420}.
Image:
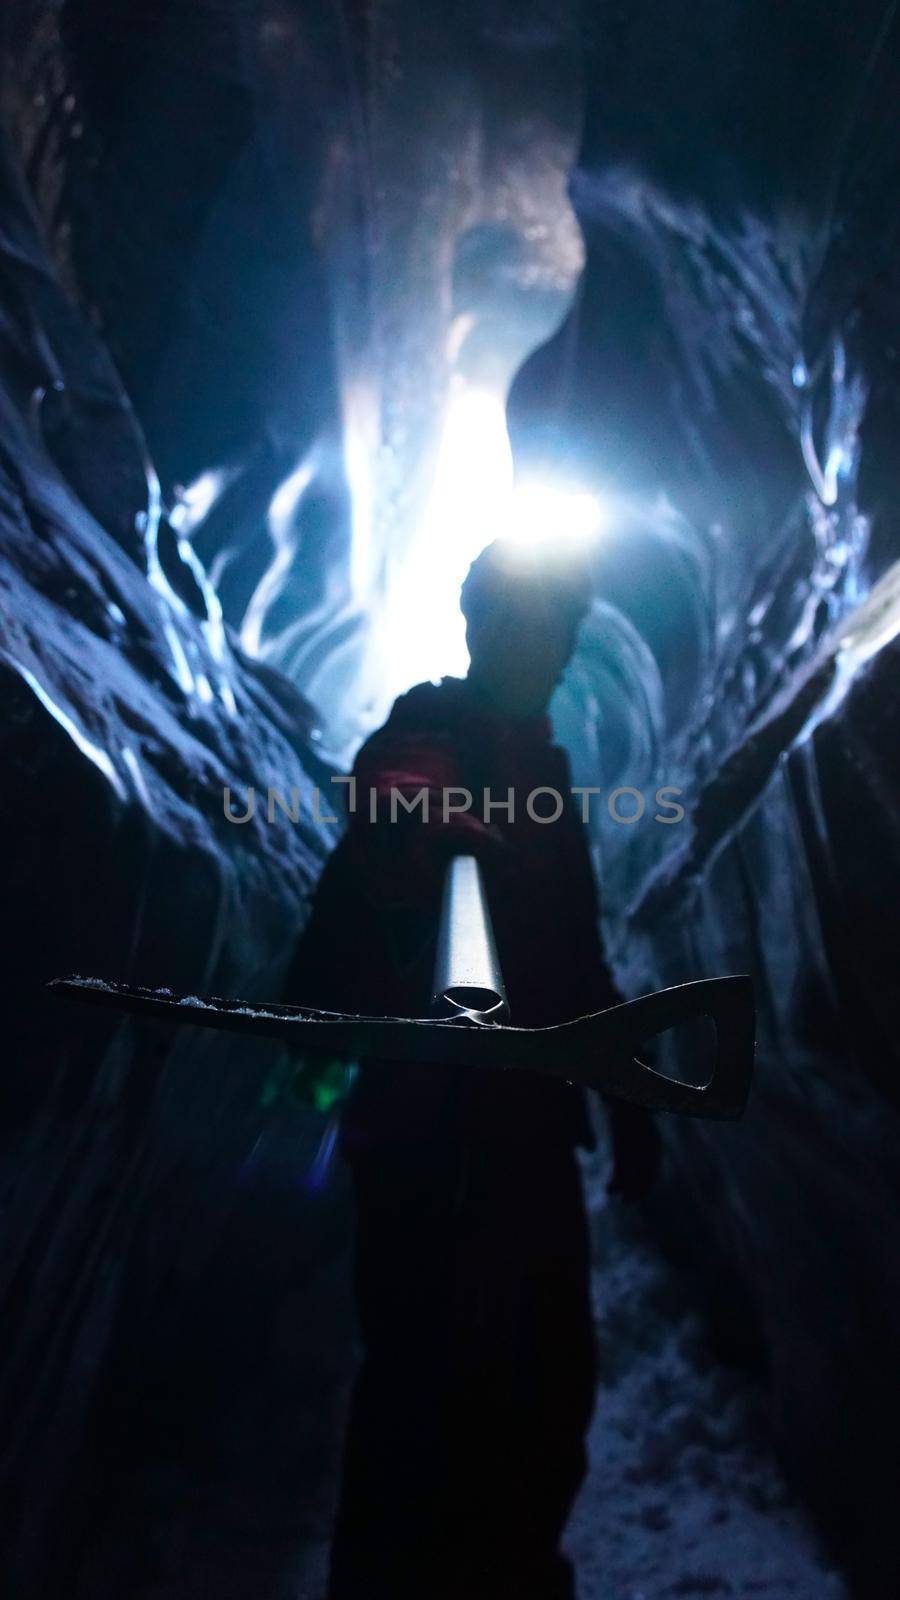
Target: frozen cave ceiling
{"x":302,"y":229}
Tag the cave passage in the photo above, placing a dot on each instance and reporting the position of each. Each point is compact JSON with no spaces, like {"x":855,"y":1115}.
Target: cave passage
{"x":303,"y":307}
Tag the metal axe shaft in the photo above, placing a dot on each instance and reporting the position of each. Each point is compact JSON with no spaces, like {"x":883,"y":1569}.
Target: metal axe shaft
{"x":467,"y":976}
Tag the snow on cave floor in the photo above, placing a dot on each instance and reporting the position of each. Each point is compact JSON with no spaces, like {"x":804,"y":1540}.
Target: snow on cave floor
{"x":684,"y":1496}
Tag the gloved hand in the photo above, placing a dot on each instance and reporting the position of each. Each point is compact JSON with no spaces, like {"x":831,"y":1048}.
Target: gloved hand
{"x":637,"y":1151}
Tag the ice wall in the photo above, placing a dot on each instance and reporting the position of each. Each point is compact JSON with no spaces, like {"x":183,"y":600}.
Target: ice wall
{"x":170,"y":1241}
{"x":729,"y":375}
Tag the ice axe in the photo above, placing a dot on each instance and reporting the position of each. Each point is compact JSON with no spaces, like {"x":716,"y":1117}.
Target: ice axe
{"x":469,"y":1026}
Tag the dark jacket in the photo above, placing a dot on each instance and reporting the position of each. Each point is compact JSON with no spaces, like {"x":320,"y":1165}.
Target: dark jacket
{"x":369,"y":944}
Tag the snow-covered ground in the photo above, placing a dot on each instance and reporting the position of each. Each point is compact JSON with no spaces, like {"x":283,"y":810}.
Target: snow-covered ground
{"x":684,"y":1496}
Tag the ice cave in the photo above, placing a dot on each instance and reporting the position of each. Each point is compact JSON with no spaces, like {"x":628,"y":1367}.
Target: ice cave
{"x":302,"y":305}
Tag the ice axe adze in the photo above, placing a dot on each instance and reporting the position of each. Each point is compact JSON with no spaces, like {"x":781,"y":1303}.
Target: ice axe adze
{"x":598,"y":1051}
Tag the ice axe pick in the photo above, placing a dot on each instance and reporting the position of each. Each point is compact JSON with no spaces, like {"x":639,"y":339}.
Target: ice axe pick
{"x":469,"y":1026}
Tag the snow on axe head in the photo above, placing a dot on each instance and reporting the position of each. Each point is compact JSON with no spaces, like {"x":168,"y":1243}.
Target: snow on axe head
{"x":598,"y":1051}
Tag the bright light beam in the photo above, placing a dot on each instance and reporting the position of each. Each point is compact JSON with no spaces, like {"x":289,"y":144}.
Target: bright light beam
{"x":474,"y":500}
{"x":552,"y":519}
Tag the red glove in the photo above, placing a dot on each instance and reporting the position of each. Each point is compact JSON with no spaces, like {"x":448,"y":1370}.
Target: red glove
{"x":404,"y":859}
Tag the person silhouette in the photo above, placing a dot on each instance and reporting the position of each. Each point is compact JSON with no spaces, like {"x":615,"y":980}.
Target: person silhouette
{"x":465,"y":1441}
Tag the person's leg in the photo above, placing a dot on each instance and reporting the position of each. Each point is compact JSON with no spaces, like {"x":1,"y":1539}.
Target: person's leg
{"x":560,"y":1349}
{"x":525,"y":1372}
{"x":465,"y":1446}
{"x":396,"y":1446}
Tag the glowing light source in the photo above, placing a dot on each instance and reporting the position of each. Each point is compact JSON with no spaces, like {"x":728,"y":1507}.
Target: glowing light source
{"x":553,"y":519}
{"x":473,"y":500}
{"x":466,"y":507}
